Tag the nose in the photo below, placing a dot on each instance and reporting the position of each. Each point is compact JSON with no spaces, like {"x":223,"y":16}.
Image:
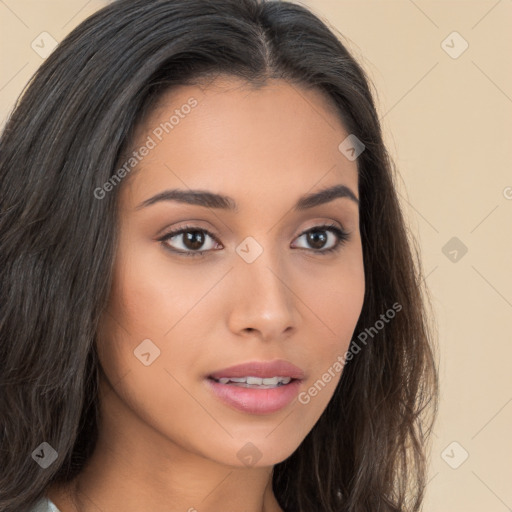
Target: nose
{"x":262,"y":299}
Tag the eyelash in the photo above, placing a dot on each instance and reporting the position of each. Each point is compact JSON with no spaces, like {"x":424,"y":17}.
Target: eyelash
{"x":343,"y":236}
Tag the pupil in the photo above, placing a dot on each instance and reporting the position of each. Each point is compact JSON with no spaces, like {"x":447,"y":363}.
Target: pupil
{"x":314,"y":235}
{"x":191,"y":240}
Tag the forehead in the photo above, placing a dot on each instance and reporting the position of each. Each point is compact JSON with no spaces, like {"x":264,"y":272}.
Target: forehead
{"x":229,"y":135}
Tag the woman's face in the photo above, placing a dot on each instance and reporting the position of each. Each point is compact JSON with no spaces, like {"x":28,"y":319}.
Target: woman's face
{"x":263,"y":288}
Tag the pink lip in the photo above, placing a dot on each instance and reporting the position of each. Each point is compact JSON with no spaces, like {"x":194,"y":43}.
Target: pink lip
{"x":253,"y":400}
{"x":263,"y":369}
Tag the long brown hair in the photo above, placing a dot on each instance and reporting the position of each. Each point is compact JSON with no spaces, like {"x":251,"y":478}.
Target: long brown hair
{"x":368,"y":450}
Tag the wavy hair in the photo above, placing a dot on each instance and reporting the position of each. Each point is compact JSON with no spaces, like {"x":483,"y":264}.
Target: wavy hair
{"x":368,"y":450}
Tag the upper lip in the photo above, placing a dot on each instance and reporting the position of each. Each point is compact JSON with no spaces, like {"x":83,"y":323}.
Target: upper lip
{"x":263,"y":369}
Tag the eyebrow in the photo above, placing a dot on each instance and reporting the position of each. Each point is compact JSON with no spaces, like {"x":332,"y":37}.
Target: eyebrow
{"x":212,"y":200}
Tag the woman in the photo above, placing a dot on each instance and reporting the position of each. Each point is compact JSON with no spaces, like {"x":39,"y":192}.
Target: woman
{"x":209,"y":297}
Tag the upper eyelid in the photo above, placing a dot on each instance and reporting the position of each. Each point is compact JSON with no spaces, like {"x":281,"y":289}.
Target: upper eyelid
{"x":321,"y":225}
{"x":179,"y":231}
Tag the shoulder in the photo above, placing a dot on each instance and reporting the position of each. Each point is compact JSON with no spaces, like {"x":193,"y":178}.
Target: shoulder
{"x":45,"y":505}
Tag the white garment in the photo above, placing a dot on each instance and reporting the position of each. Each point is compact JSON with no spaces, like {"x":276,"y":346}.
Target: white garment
{"x":45,"y":505}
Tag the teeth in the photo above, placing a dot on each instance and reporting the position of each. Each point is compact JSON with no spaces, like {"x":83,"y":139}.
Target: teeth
{"x":258,"y":381}
{"x":255,"y":380}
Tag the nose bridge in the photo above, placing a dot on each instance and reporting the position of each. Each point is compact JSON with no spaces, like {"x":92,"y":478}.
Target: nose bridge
{"x":264,"y":300}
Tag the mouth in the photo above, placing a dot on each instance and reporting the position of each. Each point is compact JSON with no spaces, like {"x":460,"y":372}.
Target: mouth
{"x":257,"y":387}
{"x":252,"y":382}
{"x":251,"y":395}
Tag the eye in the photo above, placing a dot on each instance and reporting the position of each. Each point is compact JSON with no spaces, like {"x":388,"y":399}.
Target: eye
{"x":195,"y":239}
{"x":313,"y":238}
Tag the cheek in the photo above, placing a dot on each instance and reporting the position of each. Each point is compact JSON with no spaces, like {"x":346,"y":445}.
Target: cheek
{"x":151,"y":294}
{"x":155,"y":299}
{"x":154,"y":311}
{"x":337,"y":296}
{"x":338,"y":301}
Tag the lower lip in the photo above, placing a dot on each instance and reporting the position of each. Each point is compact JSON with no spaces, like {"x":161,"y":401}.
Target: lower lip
{"x":253,"y":400}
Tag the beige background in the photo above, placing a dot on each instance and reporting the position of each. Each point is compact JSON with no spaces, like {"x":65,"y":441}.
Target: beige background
{"x":448,"y":125}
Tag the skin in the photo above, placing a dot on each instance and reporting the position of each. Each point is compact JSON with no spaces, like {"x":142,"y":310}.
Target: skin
{"x":166,"y":442}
